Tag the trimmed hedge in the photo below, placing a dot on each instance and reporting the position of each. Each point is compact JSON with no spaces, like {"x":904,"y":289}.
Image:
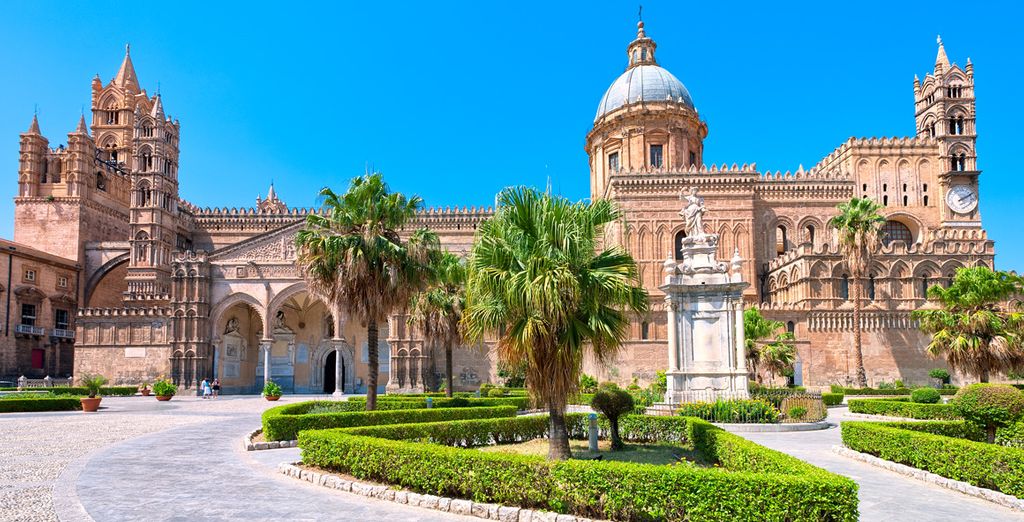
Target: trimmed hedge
{"x":756,"y":483}
{"x":21,"y":404}
{"x":395,"y":402}
{"x":903,"y":408}
{"x":107,"y":391}
{"x":892,"y":391}
{"x":981,"y":464}
{"x":285,"y":422}
{"x":832,"y":399}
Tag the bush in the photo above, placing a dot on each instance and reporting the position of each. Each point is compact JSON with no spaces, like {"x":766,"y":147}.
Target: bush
{"x":752,"y":411}
{"x":925,"y":396}
{"x":285,"y":422}
{"x":766,"y":484}
{"x":164,"y":388}
{"x":832,"y":399}
{"x":496,"y":392}
{"x":813,"y":406}
{"x":939,"y":373}
{"x":990,"y":406}
{"x":271,"y":389}
{"x":837,"y":388}
{"x":1012,"y":435}
{"x":106,"y":391}
{"x":910,"y":410}
{"x":797,"y":412}
{"x":396,"y":402}
{"x":875,"y":391}
{"x":613,"y":402}
{"x":588,"y":384}
{"x":24,"y":403}
{"x":978,"y":463}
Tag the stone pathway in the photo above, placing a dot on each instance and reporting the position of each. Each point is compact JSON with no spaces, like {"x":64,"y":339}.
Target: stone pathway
{"x":884,"y":495}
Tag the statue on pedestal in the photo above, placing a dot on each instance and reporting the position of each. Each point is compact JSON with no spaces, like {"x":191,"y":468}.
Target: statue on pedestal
{"x":693,"y":213}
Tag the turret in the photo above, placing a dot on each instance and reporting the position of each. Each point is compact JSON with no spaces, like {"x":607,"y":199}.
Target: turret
{"x":32,"y":159}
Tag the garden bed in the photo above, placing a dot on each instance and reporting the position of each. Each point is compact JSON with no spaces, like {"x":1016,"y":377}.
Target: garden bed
{"x":902,"y":408}
{"x":748,"y":481}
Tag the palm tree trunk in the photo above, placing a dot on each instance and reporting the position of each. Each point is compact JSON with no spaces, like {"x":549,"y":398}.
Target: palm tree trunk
{"x":373,"y":362}
{"x":448,"y":368}
{"x":558,"y":435}
{"x":858,"y":354}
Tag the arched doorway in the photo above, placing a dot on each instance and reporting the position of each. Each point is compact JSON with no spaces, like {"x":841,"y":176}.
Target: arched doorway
{"x":329,"y":368}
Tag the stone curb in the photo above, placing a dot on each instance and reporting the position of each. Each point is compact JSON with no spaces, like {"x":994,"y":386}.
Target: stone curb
{"x":1002,"y":499}
{"x":445,"y":504}
{"x":249,"y":445}
{"x":884,"y":418}
{"x":774,"y":428}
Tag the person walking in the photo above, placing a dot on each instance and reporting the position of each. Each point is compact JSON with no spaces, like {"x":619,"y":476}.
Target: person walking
{"x":216,"y":388}
{"x":207,"y":391}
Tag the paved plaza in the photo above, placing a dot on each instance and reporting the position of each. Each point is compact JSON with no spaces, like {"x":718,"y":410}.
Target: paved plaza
{"x":143,"y":460}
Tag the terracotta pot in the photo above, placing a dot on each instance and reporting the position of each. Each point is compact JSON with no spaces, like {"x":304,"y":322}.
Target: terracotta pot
{"x":145,"y":392}
{"x":92,"y":404}
{"x":164,"y":397}
{"x":273,"y":397}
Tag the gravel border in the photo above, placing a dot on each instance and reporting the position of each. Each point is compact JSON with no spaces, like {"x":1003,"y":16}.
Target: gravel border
{"x":1002,"y":499}
{"x":249,"y":445}
{"x":445,"y":504}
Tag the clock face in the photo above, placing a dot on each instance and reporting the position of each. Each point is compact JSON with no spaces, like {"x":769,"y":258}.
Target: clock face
{"x":961,"y":199}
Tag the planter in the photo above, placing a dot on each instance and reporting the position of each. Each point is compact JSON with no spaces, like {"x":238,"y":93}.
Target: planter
{"x":145,"y":392}
{"x":90,"y":404}
{"x":164,"y":397}
{"x":272,"y":397}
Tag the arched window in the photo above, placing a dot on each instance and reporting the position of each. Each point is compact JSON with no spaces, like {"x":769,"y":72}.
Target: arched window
{"x":678,"y":244}
{"x":925,"y":284}
{"x":613,"y":162}
{"x":809,"y":232}
{"x":871,"y":288}
{"x":645,"y":330}
{"x":790,"y":327}
{"x":844,"y":288}
{"x":781,"y":241}
{"x":896,"y":231}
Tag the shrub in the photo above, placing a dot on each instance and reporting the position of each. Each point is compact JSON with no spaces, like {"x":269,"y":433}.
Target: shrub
{"x":837,"y":388}
{"x":633,"y":386}
{"x":978,"y":463}
{"x":832,"y":399}
{"x":1012,"y":435}
{"x":23,"y":403}
{"x":271,"y":389}
{"x":613,"y":402}
{"x":925,"y":396}
{"x":588,"y":384}
{"x":990,"y":406}
{"x":813,"y":406}
{"x":875,"y":391}
{"x":285,"y":422}
{"x":939,"y":373}
{"x":902,"y":408}
{"x":884,"y":385}
{"x":752,"y":411}
{"x":164,"y":388}
{"x":93,"y":384}
{"x":485,"y":388}
{"x":797,"y":412}
{"x":395,"y":402}
{"x":644,"y":398}
{"x":496,"y":392}
{"x":766,"y":484}
{"x":107,"y":391}
{"x":660,"y":384}
{"x":898,"y":383}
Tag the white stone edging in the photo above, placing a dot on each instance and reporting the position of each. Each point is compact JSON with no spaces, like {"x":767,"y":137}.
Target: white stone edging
{"x":782,"y":427}
{"x":1002,"y":499}
{"x":885,"y":418}
{"x":249,"y":445}
{"x":445,"y":504}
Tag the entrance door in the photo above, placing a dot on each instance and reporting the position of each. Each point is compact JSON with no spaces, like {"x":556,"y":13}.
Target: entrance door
{"x":329,"y":372}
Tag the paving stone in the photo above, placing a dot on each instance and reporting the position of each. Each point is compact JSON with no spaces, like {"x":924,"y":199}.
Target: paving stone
{"x":508,"y":514}
{"x":461,"y":507}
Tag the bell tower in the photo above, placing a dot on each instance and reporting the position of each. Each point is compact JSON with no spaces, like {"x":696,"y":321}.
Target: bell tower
{"x":945,"y":110}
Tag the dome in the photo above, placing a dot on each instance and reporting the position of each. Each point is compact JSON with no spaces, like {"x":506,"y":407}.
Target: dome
{"x":643,"y":83}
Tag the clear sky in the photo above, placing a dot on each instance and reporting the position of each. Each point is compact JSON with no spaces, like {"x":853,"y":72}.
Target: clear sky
{"x":456,"y":101}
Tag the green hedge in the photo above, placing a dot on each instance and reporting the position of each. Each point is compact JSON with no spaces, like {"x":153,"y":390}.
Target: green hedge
{"x":981,"y":464}
{"x":20,"y":404}
{"x":751,"y":482}
{"x":285,"y":422}
{"x":396,"y":402}
{"x":904,"y":408}
{"x":832,"y":399}
{"x":892,"y":391}
{"x":119,"y":391}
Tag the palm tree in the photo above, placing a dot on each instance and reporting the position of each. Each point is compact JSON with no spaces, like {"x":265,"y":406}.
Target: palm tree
{"x":352,"y":257}
{"x":858,"y":224}
{"x":975,"y":329}
{"x":543,"y":282}
{"x":437,"y":310}
{"x":766,"y":346}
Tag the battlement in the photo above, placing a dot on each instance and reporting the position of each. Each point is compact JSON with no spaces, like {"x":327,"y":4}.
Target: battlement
{"x":150,"y":311}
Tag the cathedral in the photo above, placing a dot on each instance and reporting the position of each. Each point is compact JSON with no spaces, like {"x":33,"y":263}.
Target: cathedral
{"x":167,"y":289}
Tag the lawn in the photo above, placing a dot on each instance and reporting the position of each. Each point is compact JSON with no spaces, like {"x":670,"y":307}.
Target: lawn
{"x":662,"y":454}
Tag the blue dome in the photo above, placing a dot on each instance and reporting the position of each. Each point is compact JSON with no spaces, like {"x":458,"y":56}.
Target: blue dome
{"x":643,"y":83}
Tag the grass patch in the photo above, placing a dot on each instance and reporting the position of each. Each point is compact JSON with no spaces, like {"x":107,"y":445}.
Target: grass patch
{"x":659,"y":454}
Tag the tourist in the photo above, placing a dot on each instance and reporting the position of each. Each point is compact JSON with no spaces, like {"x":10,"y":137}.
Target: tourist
{"x":205,"y":386}
{"x":216,"y":388}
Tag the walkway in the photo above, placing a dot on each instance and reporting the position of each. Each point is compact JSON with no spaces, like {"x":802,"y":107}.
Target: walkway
{"x":884,"y":495}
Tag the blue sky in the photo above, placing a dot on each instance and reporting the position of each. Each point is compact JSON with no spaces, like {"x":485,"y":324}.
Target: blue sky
{"x":456,"y":101}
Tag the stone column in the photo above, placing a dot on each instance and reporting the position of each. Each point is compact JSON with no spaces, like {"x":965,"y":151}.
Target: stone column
{"x":338,"y":364}
{"x":265,"y":346}
{"x":673,"y":340}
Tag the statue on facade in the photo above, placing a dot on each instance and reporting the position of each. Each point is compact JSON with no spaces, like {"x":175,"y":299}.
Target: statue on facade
{"x":232,"y":326}
{"x":279,"y":326}
{"x":693,"y":213}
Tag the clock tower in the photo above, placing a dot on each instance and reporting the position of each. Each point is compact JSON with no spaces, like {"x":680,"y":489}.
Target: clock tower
{"x":944,"y":110}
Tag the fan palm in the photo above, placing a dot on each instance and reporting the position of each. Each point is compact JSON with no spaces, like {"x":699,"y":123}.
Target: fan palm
{"x":352,"y":257}
{"x":975,"y":329}
{"x":857,"y":226}
{"x":766,"y":346}
{"x":542,"y":282}
{"x":437,"y":310}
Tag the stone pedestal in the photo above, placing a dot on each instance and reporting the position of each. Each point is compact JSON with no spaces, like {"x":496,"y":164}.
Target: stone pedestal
{"x":704,"y":298}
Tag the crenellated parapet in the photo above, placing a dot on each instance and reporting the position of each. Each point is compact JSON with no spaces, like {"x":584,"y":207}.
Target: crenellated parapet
{"x":448,"y":218}
{"x":138,"y":311}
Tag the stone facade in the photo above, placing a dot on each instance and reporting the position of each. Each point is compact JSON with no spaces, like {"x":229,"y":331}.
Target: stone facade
{"x":185,"y":292}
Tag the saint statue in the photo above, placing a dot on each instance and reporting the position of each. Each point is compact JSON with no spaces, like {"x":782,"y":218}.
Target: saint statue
{"x":232,"y":326}
{"x":693,"y":213}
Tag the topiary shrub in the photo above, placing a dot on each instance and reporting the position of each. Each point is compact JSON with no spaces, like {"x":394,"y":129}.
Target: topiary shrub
{"x":832,"y":399}
{"x":613,"y":402}
{"x":925,"y":396}
{"x":496,"y":392}
{"x":990,"y":406}
{"x":939,"y":373}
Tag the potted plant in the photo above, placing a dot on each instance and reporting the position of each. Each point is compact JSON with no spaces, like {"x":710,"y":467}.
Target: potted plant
{"x":164,"y":390}
{"x":92,"y":384}
{"x":144,"y":389}
{"x":271,"y":391}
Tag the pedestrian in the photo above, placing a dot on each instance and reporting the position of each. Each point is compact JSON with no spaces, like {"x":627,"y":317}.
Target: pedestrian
{"x":216,"y":388}
{"x":206,"y":389}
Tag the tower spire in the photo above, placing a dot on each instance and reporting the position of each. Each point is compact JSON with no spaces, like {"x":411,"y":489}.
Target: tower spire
{"x":641,"y":50}
{"x":34,"y":127}
{"x":82,"y":129}
{"x":126,"y":74}
{"x":941,"y":60}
